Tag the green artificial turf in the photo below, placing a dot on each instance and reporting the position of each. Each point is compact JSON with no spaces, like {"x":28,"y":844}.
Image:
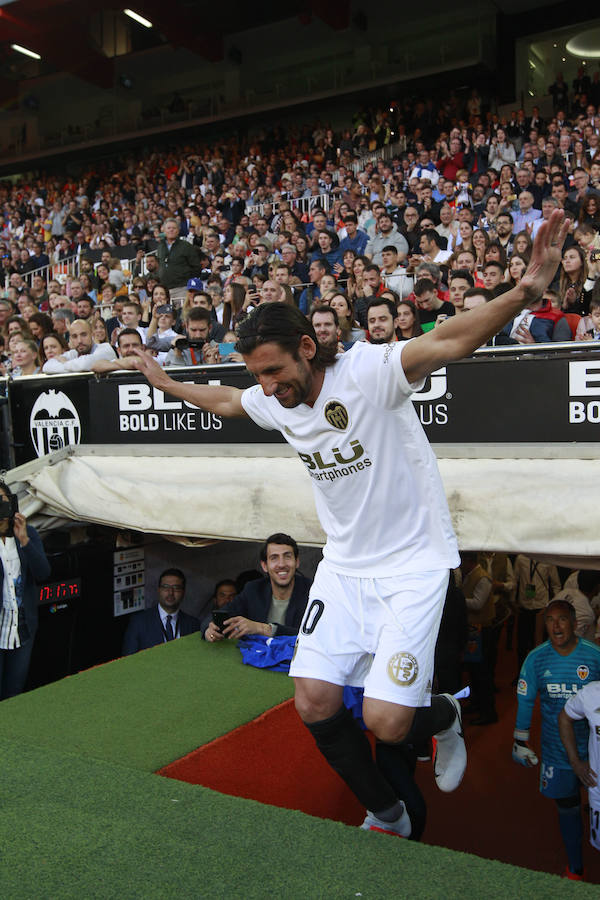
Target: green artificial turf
{"x":73,"y":827}
{"x":150,"y":708}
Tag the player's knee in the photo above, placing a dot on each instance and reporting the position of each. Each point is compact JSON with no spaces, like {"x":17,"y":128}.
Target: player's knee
{"x":313,"y":705}
{"x":391,"y":729}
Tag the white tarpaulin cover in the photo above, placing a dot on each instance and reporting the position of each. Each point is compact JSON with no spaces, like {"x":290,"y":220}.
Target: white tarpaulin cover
{"x":541,"y":507}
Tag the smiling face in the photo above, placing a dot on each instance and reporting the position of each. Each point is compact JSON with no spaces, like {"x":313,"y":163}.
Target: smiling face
{"x":281,"y":564}
{"x":291,"y":381}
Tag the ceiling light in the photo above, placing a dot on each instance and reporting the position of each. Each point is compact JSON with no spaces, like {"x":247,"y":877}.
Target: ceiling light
{"x":137,"y":18}
{"x":25,"y":51}
{"x":585,"y":43}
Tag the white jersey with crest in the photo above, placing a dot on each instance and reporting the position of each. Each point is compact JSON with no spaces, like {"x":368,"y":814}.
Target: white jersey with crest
{"x":585,"y":704}
{"x":377,"y":487}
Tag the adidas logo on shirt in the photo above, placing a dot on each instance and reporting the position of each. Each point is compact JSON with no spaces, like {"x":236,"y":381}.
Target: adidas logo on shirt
{"x":547,"y":673}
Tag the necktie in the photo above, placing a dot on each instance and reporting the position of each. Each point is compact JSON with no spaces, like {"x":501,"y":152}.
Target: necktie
{"x":169,"y":629}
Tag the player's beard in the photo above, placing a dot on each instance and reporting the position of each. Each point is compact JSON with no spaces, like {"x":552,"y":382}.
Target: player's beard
{"x":298,"y":390}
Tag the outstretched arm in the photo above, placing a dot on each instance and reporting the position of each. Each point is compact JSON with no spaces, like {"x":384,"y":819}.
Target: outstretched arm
{"x":461,"y":335}
{"x":220,"y":399}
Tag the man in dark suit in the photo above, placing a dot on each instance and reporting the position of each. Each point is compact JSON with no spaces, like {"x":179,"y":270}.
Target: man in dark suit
{"x":273,"y":605}
{"x":163,"y":622}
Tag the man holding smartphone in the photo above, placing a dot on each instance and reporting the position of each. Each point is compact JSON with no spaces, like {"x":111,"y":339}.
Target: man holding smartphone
{"x":270,"y":606}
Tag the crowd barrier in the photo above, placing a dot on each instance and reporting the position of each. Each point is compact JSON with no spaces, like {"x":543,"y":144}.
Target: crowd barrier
{"x":303,"y":205}
{"x":544,"y":394}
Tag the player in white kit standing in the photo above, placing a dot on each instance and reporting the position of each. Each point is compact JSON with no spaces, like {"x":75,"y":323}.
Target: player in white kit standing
{"x":376,"y":602}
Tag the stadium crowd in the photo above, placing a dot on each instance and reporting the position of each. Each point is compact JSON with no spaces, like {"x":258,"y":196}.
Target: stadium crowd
{"x":428,"y":207}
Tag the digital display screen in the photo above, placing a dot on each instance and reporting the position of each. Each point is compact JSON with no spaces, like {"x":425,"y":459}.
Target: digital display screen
{"x":60,"y":590}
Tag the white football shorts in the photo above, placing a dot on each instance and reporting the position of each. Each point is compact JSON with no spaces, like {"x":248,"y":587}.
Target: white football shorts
{"x":379,"y":633}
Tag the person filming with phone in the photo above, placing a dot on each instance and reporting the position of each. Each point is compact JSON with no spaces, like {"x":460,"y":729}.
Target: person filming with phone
{"x":273,"y":605}
{"x":23,"y":564}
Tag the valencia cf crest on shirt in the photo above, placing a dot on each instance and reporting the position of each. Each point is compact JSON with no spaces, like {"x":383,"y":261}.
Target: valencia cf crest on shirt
{"x":336,"y":414}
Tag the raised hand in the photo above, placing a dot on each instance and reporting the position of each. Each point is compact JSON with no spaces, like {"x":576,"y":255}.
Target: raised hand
{"x":545,"y":255}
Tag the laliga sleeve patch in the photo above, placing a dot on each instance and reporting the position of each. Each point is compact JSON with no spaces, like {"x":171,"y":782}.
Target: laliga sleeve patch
{"x":522,"y":687}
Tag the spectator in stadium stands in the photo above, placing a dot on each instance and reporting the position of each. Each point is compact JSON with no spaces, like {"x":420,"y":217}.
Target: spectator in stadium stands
{"x":409,"y":325}
{"x":164,"y":621}
{"x":349,"y":330}
{"x":195,"y":347}
{"x":128,"y":342}
{"x":502,"y":152}
{"x":386,"y":234}
{"x":52,"y":345}
{"x":382,"y":321}
{"x":429,"y":304}
{"x":393,"y":274}
{"x":61,"y":321}
{"x":527,"y":213}
{"x":317,"y":269}
{"x":178,"y":261}
{"x":575,"y":288}
{"x":328,"y":248}
{"x":297,"y":269}
{"x":493,"y":275}
{"x":355,"y":239}
{"x":327,"y":327}
{"x":273,"y":605}
{"x":82,"y":354}
{"x":25,"y":357}
{"x":460,"y":281}
{"x":430,"y":244}
{"x":24,"y":565}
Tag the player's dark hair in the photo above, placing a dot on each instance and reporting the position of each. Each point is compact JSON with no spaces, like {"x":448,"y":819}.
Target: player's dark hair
{"x":282,"y":324}
{"x":279,"y":538}
{"x":324,"y":309}
{"x":127,"y":331}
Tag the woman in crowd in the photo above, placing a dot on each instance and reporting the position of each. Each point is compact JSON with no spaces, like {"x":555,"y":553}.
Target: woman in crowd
{"x":102,"y":276}
{"x":347,"y":261}
{"x":99,"y":333}
{"x":349,"y":329}
{"x":25,"y":357}
{"x":409,"y":325}
{"x":590,"y":211}
{"x":495,"y":253}
{"x":355,"y":281}
{"x":234,"y":297}
{"x":515,"y":270}
{"x":481,"y":241}
{"x":574,"y":288}
{"x":39,"y":325}
{"x":465,"y":232}
{"x":52,"y":345}
{"x":522,"y":244}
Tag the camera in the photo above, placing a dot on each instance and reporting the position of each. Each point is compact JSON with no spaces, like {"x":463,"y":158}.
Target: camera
{"x":184,"y":343}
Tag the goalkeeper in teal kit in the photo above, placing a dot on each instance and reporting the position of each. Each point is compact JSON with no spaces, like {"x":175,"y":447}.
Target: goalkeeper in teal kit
{"x":556,"y":670}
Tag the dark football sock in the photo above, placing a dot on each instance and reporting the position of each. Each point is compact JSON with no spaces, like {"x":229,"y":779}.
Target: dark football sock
{"x":347,"y":750}
{"x":397,"y":763}
{"x":571,"y":829}
{"x":430,"y":720}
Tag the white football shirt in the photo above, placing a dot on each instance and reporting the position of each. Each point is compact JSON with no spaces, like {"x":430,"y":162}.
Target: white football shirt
{"x":585,"y":704}
{"x":378,"y":491}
